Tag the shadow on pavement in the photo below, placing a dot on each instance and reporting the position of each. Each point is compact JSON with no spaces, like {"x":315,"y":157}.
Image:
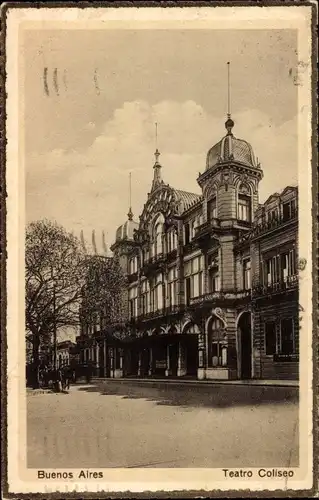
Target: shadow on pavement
{"x":214,"y":396}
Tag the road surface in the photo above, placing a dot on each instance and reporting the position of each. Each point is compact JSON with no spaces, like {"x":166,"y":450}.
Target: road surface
{"x":147,"y":427}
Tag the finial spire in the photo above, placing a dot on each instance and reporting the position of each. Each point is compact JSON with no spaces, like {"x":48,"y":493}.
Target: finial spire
{"x":229,"y":122}
{"x":130,"y":213}
{"x":157,"y":153}
{"x":228,"y":87}
{"x":157,"y":179}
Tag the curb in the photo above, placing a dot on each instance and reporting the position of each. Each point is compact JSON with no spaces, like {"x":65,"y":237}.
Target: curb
{"x":200,"y":383}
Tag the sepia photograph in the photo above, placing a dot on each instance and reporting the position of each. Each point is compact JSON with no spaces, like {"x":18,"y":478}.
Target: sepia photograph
{"x":160,"y":240}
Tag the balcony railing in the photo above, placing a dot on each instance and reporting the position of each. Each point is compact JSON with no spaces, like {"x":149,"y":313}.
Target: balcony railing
{"x":165,"y":311}
{"x":153,"y":262}
{"x":221,"y":295}
{"x":132,"y":277}
{"x":171,"y":256}
{"x":267,"y":226}
{"x":206,"y":228}
{"x":290,"y":283}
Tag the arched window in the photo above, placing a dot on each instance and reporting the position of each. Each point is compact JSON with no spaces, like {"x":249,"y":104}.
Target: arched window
{"x":158,"y":232}
{"x":218,"y":344}
{"x":244,"y":203}
{"x":158,"y":238}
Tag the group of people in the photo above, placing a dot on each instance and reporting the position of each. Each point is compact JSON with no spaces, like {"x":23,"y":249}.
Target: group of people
{"x":57,"y":379}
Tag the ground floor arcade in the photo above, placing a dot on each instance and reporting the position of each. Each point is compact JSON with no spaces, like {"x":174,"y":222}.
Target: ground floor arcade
{"x":223,"y":345}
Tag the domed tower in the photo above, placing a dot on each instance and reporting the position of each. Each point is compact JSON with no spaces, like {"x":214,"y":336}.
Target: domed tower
{"x":230,"y":181}
{"x":124,"y":238}
{"x":230,"y":197}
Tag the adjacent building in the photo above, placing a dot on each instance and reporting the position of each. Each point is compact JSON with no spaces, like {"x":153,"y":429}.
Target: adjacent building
{"x":212,"y":278}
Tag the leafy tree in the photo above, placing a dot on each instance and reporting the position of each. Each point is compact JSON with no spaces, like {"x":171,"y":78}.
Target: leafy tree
{"x":55,"y":267}
{"x":104,"y":302}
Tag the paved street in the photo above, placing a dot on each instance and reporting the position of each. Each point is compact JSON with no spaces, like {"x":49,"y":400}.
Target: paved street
{"x":127,"y":425}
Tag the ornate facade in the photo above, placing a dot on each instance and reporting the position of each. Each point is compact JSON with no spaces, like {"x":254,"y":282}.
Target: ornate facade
{"x":212,"y":278}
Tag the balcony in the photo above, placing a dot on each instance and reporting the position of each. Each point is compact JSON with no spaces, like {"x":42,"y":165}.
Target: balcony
{"x":289,"y":284}
{"x":159,"y":313}
{"x":204,"y":234}
{"x":171,"y":256}
{"x":220,"y":296}
{"x":153,"y":263}
{"x":269,"y":226}
{"x":132,"y":277}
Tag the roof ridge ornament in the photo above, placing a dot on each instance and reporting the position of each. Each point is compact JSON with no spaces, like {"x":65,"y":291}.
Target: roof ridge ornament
{"x":157,"y":179}
{"x":229,"y":124}
{"x":130,"y":213}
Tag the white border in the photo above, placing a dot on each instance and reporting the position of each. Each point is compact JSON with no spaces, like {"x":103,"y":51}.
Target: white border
{"x":137,"y":480}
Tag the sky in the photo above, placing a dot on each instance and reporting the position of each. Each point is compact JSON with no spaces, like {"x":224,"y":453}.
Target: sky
{"x":91,"y":120}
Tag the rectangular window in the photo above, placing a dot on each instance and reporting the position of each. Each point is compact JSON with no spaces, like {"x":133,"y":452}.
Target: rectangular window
{"x":287,"y":264}
{"x":186,"y":234}
{"x":247,"y":274}
{"x":196,"y":285}
{"x":195,"y":265}
{"x":187,"y":291}
{"x":212,"y":208}
{"x":187,"y":268}
{"x":270,"y":337}
{"x":214,"y":281}
{"x":131,"y":308}
{"x":200,"y":283}
{"x":286,"y":336}
{"x":244,"y":211}
{"x":271,"y":271}
{"x":289,"y":210}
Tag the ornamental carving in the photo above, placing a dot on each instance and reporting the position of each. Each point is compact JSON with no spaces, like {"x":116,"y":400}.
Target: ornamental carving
{"x":244,"y":189}
{"x":210,"y":190}
{"x":220,"y":314}
{"x":227,"y":178}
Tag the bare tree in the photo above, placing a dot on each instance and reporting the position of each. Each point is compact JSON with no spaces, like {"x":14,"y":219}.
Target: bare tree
{"x":55,"y":269}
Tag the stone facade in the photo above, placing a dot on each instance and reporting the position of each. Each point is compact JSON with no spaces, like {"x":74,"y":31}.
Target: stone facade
{"x":213,"y":286}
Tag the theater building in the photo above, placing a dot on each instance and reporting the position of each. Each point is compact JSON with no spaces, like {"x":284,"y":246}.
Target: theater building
{"x":212,"y":278}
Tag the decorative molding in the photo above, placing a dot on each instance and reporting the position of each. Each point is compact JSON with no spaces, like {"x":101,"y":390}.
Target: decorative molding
{"x":220,"y":314}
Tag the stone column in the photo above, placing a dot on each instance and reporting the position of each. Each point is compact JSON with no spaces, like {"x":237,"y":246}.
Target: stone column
{"x":181,"y":367}
{"x":150,"y":369}
{"x":205,"y":275}
{"x":168,"y":362}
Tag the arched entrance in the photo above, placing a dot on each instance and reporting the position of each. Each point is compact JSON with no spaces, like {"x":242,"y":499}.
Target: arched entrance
{"x":245,"y":345}
{"x":217,"y":344}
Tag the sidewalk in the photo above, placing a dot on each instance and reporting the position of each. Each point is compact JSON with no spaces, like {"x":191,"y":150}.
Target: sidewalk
{"x":34,"y":392}
{"x":182,"y":381}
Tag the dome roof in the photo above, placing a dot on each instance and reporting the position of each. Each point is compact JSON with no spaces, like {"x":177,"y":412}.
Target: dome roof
{"x":231,"y":149}
{"x":126,"y":230}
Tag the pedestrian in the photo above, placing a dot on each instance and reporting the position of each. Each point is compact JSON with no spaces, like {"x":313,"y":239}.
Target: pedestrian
{"x":88,"y":373}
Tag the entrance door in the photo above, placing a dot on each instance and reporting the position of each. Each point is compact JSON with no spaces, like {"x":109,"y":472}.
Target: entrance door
{"x":145,"y":365}
{"x":191,"y":355}
{"x":244,"y":326}
{"x":173,"y":353}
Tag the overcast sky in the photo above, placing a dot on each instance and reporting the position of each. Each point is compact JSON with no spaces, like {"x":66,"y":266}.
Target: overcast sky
{"x":94,"y":121}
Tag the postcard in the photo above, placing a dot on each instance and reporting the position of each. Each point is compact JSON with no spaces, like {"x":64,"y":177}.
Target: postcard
{"x":160,"y":213}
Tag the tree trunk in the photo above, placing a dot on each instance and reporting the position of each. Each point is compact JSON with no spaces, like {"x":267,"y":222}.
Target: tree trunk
{"x":35,"y":360}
